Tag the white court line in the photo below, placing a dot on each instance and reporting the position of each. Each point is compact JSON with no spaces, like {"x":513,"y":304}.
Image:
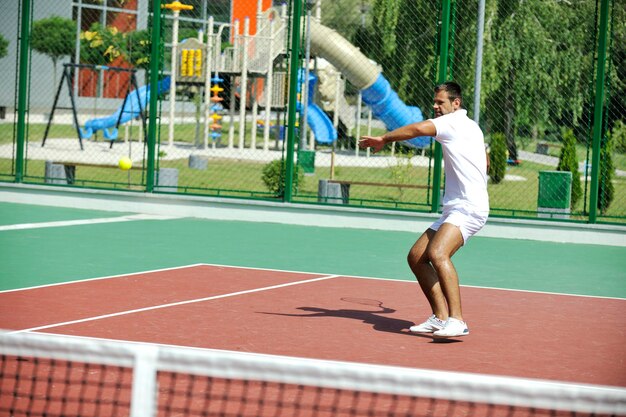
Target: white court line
{"x":178,"y":303}
{"x":65,"y":223}
{"x":305,"y":272}
{"x":78,"y":281}
{"x":149,"y":271}
{"x":413,"y":281}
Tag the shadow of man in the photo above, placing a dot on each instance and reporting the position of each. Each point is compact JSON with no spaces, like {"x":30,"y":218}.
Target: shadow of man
{"x":374,"y":317}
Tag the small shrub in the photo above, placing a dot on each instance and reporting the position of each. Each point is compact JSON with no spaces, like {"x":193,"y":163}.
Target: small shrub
{"x":568,"y":161}
{"x":497,"y":157}
{"x":403,"y":171}
{"x":274,"y":176}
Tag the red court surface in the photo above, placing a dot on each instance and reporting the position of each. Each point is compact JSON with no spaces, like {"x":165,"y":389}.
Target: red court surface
{"x":513,"y":333}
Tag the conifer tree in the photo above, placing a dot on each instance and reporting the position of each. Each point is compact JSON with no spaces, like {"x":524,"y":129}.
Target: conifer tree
{"x":497,"y":157}
{"x":568,"y":161}
{"x":606,"y":189}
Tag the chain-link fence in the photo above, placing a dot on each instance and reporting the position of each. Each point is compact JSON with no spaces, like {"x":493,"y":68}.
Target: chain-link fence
{"x":537,"y":99}
{"x":225,"y":72}
{"x":86,"y":95}
{"x":368,"y":68}
{"x":223,"y":119}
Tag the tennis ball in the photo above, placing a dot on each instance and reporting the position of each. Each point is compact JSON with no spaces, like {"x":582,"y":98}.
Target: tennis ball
{"x":125,"y":163}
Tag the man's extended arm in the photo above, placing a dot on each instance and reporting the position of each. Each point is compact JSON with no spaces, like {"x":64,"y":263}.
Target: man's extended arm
{"x":413,"y":130}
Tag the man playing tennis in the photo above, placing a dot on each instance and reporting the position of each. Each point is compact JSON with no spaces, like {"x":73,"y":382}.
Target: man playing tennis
{"x":465,"y":206}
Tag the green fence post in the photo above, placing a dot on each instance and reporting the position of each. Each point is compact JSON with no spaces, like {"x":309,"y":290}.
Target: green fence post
{"x":441,"y":77}
{"x":154,"y":92}
{"x":22,"y":98}
{"x":294,"y":66}
{"x":598,"y":110}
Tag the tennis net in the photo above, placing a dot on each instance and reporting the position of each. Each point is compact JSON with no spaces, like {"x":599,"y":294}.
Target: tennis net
{"x":54,"y":376}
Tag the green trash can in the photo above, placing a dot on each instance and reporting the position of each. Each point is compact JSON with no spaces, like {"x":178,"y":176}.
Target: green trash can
{"x":555,"y":194}
{"x":306,"y":160}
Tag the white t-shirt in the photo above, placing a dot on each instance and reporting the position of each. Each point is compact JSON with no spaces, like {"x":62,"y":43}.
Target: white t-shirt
{"x":465,"y":162}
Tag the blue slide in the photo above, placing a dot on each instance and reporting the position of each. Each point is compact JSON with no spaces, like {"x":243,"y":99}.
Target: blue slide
{"x":130,"y":110}
{"x":316,"y":118}
{"x":321,"y":125}
{"x":388,"y":107}
{"x":366,"y":76}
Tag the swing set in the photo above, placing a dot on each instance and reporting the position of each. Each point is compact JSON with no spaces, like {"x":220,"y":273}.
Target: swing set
{"x":131,"y":107}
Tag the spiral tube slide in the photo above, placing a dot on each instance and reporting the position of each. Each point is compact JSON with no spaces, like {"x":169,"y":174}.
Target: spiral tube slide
{"x":367,"y":77}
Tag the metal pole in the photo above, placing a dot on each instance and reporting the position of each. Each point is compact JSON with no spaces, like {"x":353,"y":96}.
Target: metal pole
{"x":359,"y":110}
{"x":335,"y":123}
{"x":79,"y":14}
{"x":269,"y":80}
{"x":22,"y":98}
{"x":154,"y":93}
{"x":207,"y":78}
{"x":175,"y":14}
{"x":441,"y":77}
{"x":204,"y":12}
{"x":235,"y":64}
{"x":479,"y":58}
{"x":243,"y":88}
{"x":293,"y":91}
{"x":598,"y":110}
{"x":305,"y":89}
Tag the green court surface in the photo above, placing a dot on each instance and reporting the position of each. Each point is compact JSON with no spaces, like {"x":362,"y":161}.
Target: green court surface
{"x":44,"y":255}
{"x":23,"y":213}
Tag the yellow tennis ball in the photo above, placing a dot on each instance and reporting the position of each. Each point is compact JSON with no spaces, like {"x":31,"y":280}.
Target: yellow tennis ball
{"x":125,"y":163}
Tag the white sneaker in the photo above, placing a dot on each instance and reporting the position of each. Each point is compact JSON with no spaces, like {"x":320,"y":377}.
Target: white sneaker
{"x":432,"y":324}
{"x":453,"y":328}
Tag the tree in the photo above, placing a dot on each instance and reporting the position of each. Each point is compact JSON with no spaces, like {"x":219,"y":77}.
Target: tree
{"x":137,"y":48}
{"x":497,"y":157}
{"x":618,"y":135}
{"x":617,"y":73}
{"x":4,"y":45}
{"x":343,"y":15}
{"x":606,"y":189}
{"x":402,"y":39}
{"x":568,"y":161}
{"x":55,"y":37}
{"x":101,"y":45}
{"x":542,"y":49}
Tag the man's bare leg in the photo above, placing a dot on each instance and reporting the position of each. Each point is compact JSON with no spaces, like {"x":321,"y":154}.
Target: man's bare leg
{"x":444,"y":243}
{"x":427,"y":276}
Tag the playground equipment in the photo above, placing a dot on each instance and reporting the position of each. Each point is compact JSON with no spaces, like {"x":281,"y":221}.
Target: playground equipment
{"x":253,"y":56}
{"x":367,"y":77}
{"x":135,"y":101}
{"x":175,"y":7}
{"x":318,"y":121}
{"x":215,"y":127}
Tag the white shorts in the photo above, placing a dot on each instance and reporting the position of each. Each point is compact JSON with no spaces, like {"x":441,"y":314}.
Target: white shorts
{"x":470,"y":222}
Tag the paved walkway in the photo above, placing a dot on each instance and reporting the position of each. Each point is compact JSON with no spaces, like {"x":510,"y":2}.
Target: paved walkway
{"x":554,"y":161}
{"x":100,"y":152}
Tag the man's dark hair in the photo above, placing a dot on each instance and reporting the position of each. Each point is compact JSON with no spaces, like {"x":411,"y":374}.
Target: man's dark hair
{"x":453,"y":89}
